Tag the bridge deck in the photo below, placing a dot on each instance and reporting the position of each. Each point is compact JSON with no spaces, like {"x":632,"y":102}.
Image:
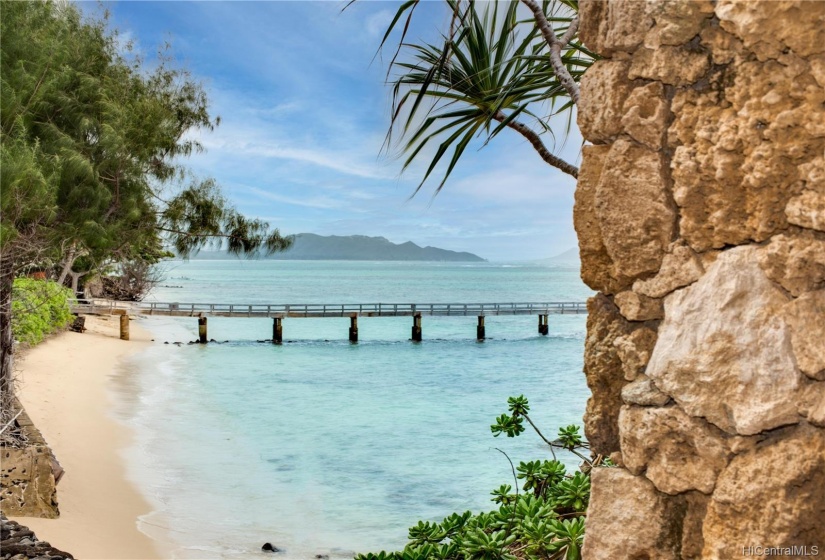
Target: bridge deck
{"x":331,"y":310}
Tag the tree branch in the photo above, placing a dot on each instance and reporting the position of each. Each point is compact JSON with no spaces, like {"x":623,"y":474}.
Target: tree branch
{"x":538,"y":145}
{"x":556,"y":45}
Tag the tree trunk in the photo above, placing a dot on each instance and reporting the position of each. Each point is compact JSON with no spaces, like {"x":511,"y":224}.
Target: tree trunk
{"x":6,"y":337}
{"x":71,"y":255}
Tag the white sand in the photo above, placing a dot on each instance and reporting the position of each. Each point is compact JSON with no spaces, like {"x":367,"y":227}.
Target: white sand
{"x":64,"y":384}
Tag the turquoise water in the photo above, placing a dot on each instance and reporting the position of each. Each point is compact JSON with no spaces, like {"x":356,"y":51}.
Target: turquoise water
{"x":323,"y":447}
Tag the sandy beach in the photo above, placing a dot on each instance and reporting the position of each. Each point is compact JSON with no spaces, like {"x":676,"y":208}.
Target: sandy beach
{"x":65,"y":385}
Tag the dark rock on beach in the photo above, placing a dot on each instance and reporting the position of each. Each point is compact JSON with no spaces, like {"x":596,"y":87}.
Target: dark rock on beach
{"x":20,"y":543}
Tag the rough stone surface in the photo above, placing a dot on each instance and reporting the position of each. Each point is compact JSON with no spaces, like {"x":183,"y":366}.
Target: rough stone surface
{"x":644,"y":115}
{"x":676,"y":22}
{"x":764,"y":29}
{"x":724,"y":353}
{"x":634,"y":351}
{"x":616,"y":26}
{"x":812,"y":403}
{"x":675,"y":66}
{"x":706,"y":189}
{"x":603,"y":370}
{"x":807,"y":210}
{"x":643,"y":392}
{"x":20,"y":543}
{"x":797,"y":262}
{"x":595,"y":262}
{"x":774,"y":493}
{"x":675,"y":451}
{"x":634,"y":210}
{"x":806,"y":318}
{"x":605,"y":87}
{"x":738,"y":150}
{"x":27,"y":483}
{"x":681,"y":266}
{"x":628,"y":518}
{"x":636,"y":307}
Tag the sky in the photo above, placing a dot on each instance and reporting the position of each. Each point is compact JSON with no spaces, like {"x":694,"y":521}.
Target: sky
{"x":305,"y":107}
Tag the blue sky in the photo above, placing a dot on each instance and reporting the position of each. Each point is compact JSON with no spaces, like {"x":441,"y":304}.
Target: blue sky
{"x":304,"y":109}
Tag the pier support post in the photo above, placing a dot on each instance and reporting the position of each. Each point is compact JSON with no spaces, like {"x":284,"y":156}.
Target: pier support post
{"x":353,"y":328}
{"x":544,"y":328}
{"x":202,"y":330}
{"x":277,"y":331}
{"x":416,"y":328}
{"x":480,"y":330}
{"x":124,"y":327}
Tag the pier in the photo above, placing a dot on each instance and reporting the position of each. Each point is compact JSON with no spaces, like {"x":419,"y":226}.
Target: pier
{"x":279,"y":312}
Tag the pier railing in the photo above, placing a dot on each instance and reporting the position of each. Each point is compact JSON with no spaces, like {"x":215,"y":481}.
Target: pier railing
{"x":278,"y":312}
{"x":175,"y":309}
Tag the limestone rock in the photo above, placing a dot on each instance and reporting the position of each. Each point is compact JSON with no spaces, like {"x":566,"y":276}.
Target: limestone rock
{"x":645,"y":115}
{"x":763,"y":27}
{"x":636,"y":307}
{"x":635,"y":213}
{"x":604,"y":88}
{"x":676,"y":66}
{"x":595,"y":262}
{"x":695,"y":511}
{"x":628,"y":518}
{"x":634,"y":351}
{"x":675,"y":451}
{"x":643,"y":392}
{"x":806,"y":318}
{"x":740,"y":150}
{"x":603,"y":370}
{"x":812,"y":404}
{"x":774,"y":494}
{"x":616,"y":26}
{"x":807,"y":210}
{"x":797,"y":262}
{"x":675,"y":21}
{"x":681,"y":266}
{"x":723,"y":351}
{"x":723,"y":46}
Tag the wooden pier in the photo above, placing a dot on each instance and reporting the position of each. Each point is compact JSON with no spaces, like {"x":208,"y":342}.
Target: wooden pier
{"x":278,"y":312}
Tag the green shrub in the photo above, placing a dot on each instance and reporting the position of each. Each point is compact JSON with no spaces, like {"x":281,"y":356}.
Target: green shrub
{"x":545,"y":521}
{"x":39,"y":308}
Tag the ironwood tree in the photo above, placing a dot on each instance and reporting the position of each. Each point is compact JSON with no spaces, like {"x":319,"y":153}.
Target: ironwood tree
{"x":93,"y":148}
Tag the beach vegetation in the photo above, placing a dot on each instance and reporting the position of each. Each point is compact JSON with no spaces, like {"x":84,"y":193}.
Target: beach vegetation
{"x":39,"y":308}
{"x":495,"y":69}
{"x":94,"y":141}
{"x":543,"y":518}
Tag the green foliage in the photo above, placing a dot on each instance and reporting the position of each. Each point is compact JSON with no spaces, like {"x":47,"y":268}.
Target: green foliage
{"x":39,"y":308}
{"x":545,"y":521}
{"x":491,"y":71}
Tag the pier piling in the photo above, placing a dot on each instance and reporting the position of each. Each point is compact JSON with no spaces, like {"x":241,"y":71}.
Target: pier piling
{"x":353,"y":328}
{"x":480,"y":330}
{"x":202,"y":338}
{"x":124,"y":327}
{"x":277,"y":331}
{"x":416,"y":328}
{"x":544,"y":328}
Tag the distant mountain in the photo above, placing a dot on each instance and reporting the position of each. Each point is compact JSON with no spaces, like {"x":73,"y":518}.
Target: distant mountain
{"x":569,"y":257}
{"x":311,"y":247}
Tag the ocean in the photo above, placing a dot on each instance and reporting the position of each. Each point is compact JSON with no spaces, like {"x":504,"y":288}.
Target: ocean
{"x":322,"y":447}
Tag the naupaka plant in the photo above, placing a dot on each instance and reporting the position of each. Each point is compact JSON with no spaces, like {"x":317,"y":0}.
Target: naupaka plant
{"x":543,"y":519}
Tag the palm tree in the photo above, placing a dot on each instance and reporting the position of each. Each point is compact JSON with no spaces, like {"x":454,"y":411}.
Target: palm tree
{"x":491,"y":72}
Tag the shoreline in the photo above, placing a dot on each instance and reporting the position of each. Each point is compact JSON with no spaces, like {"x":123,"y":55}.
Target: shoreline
{"x":67,"y":386}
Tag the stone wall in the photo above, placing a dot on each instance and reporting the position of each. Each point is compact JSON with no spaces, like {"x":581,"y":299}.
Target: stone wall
{"x":27,"y":484}
{"x":700,"y":210}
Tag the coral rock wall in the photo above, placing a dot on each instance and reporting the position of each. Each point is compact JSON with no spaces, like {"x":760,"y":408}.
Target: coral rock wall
{"x":700,"y":211}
